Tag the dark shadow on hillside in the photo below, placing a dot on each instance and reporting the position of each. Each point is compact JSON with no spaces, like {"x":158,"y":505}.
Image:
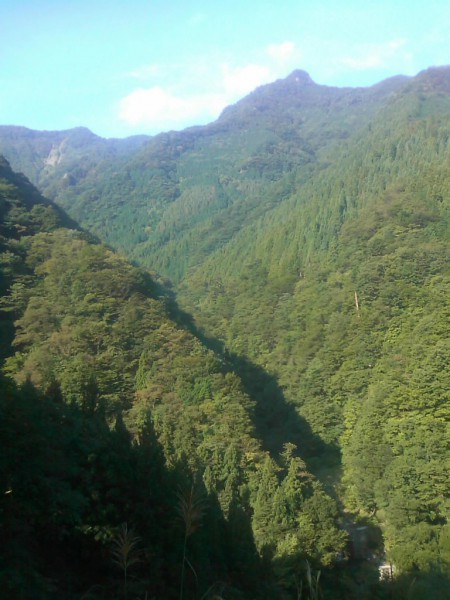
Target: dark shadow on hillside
{"x":220,"y":550}
{"x":361,"y":580}
{"x":72,"y":482}
{"x":276,"y":420}
{"x":6,"y":336}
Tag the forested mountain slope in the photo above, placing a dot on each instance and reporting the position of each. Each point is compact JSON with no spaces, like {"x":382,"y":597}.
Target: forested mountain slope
{"x":342,"y":293}
{"x":169,"y":201}
{"x":115,"y":414}
{"x":64,"y":155}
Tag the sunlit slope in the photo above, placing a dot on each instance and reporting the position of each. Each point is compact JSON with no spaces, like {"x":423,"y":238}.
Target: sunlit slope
{"x":172,"y":199}
{"x":342,"y":293}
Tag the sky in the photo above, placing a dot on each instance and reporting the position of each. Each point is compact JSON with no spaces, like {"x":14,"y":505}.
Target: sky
{"x":131,"y":67}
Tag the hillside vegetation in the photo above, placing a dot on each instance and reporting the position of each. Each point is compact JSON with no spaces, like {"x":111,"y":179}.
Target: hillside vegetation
{"x":342,"y":293}
{"x":114,"y":414}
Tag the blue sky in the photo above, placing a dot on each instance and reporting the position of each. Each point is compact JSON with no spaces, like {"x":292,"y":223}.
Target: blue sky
{"x":145,"y":66}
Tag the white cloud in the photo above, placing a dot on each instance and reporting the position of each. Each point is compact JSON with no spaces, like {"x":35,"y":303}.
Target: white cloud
{"x":181,"y":94}
{"x":281,"y":52}
{"x":373,"y":56}
{"x":160,"y":108}
{"x":242,"y":80}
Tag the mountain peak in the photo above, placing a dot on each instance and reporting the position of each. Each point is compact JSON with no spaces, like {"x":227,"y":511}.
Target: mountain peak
{"x":301,"y":77}
{"x":435,"y":78}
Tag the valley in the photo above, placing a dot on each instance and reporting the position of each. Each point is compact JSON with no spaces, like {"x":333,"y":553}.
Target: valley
{"x":235,"y":339}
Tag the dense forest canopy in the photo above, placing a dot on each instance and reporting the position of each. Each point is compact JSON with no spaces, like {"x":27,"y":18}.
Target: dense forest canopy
{"x":272,"y":403}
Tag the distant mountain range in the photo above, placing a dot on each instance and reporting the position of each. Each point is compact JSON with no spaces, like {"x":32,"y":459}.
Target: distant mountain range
{"x":140,"y":192}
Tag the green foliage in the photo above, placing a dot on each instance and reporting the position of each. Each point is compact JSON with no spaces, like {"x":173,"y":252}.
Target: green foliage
{"x":115,"y":402}
{"x":374,"y":221}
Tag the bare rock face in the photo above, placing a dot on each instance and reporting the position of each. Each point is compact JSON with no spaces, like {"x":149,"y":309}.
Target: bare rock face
{"x":54,"y":157}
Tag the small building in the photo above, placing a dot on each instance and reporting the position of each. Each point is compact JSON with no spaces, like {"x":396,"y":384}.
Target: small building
{"x":386,"y":571}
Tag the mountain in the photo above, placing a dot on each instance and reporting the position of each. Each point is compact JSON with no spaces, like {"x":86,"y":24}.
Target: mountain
{"x":114,"y":411}
{"x":307,"y":232}
{"x":198,"y":187}
{"x":40,"y":153}
{"x":341,"y":292}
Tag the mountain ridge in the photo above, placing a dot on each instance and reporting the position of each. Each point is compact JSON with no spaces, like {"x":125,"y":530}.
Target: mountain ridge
{"x":264,"y":146}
